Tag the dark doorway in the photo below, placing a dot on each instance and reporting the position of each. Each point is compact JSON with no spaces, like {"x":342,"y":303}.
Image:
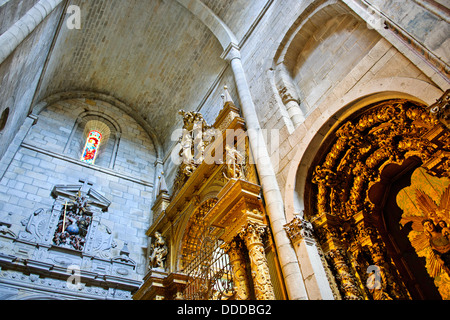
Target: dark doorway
{"x":411,"y":267}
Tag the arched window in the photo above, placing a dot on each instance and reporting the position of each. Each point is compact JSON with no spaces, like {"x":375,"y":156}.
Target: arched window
{"x":96,"y":134}
{"x":91,"y":147}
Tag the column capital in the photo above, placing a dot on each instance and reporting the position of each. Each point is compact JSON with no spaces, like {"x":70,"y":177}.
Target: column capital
{"x":231,"y":52}
{"x":234,"y":249}
{"x":253,"y":233}
{"x":158,"y":161}
{"x":299,"y":229}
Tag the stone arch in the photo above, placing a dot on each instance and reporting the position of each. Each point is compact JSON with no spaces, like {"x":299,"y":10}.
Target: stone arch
{"x":302,"y":56}
{"x":48,"y":101}
{"x":345,"y":196}
{"x":218,"y":28}
{"x":306,"y":24}
{"x":389,"y":126}
{"x":334,"y":110}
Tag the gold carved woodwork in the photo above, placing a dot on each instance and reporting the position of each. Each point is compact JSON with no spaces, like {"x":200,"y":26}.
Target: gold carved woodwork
{"x":196,"y":228}
{"x":253,"y":234}
{"x":427,"y":210}
{"x":368,"y":249}
{"x":158,"y":252}
{"x":196,"y":137}
{"x":344,"y":275}
{"x":390,"y":132}
{"x":234,"y":160}
{"x":221,"y":199}
{"x":159,"y":285}
{"x":236,"y":253}
{"x":441,"y":109}
{"x":238,"y":204}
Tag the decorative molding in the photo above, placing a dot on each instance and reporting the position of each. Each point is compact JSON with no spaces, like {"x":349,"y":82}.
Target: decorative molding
{"x":93,"y":167}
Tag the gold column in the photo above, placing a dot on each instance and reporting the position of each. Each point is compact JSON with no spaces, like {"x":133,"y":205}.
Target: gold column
{"x":237,"y":261}
{"x":334,"y":242}
{"x":390,"y":286}
{"x":349,"y":284}
{"x":252,"y":234}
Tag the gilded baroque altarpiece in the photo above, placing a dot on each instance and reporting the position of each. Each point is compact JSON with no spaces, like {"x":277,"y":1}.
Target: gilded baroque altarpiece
{"x":364,"y":158}
{"x":217,"y":245}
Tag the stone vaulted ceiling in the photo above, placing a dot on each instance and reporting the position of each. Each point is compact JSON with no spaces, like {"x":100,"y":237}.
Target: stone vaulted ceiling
{"x":154,"y":56}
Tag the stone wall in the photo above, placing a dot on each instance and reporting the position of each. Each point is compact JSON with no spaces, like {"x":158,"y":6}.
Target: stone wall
{"x":324,"y":53}
{"x":43,"y":162}
{"x":338,"y":59}
{"x":21,"y":71}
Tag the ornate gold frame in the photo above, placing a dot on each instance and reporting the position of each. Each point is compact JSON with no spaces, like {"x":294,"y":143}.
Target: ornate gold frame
{"x":344,"y":206}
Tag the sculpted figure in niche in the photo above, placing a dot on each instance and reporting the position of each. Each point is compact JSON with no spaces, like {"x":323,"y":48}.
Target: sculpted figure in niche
{"x":234,"y":162}
{"x":158,"y":252}
{"x":438,"y":240}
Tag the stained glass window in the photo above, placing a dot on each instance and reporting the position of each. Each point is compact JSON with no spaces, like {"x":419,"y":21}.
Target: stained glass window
{"x":90,"y":150}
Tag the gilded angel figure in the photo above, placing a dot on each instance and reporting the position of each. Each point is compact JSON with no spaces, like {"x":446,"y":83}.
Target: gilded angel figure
{"x":432,"y":231}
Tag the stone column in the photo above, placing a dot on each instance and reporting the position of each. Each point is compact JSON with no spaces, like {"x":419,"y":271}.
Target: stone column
{"x":237,"y":261}
{"x":289,"y":96}
{"x":14,"y":146}
{"x":300,"y":232}
{"x":272,"y":194}
{"x":14,"y":36}
{"x":252,"y":235}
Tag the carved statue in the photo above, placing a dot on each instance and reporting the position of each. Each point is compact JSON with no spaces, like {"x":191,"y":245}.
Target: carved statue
{"x":433,"y":231}
{"x":190,"y":118}
{"x":197,"y":135}
{"x":234,"y":161}
{"x":158,"y":252}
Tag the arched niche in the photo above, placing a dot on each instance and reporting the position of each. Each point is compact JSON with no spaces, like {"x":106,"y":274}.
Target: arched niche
{"x":337,"y":111}
{"x":321,"y":47}
{"x":361,"y":165}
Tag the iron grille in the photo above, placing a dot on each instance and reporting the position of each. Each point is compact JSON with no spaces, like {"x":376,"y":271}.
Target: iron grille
{"x":210,"y":273}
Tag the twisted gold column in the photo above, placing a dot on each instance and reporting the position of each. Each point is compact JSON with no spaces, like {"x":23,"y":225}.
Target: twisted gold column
{"x":237,"y":261}
{"x":252,"y":235}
